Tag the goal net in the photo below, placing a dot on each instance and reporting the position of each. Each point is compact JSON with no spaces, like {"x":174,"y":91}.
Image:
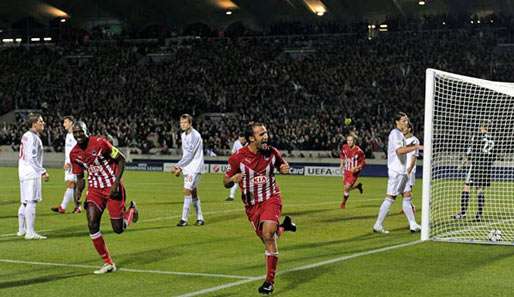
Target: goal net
{"x":469,"y":145}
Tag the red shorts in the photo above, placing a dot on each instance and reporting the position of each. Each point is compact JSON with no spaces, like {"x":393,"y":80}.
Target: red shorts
{"x":269,"y":210}
{"x":350,"y":177}
{"x":100,"y":198}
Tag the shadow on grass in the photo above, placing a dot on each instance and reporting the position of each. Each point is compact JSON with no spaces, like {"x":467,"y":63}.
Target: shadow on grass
{"x":40,"y":280}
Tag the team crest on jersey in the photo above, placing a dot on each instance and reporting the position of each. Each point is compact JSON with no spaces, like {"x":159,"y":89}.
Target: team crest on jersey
{"x":260,"y":180}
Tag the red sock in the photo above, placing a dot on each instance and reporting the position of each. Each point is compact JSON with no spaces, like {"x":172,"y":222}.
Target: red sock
{"x":101,"y":248}
{"x":128,"y":216}
{"x":271,"y":266}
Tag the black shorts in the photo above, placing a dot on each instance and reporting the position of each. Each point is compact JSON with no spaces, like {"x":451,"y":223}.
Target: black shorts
{"x":479,"y":176}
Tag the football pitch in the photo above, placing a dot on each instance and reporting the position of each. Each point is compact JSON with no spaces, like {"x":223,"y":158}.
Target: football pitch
{"x":333,"y":253}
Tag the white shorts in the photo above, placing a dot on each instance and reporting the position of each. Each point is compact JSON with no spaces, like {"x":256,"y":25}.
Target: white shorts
{"x":30,"y":190}
{"x":191,"y":181}
{"x":397,"y":183}
{"x":68,"y":176}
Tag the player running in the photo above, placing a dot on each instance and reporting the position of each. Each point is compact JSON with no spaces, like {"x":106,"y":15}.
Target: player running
{"x":352,"y":160}
{"x":253,"y":168}
{"x":104,"y":164}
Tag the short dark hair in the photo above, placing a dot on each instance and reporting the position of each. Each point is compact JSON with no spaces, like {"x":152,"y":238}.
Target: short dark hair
{"x":249,"y":129}
{"x":398,"y":116}
{"x":187,"y":116}
{"x":69,"y":118}
{"x":32,"y":118}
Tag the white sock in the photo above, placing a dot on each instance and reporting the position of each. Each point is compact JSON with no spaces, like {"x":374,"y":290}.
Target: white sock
{"x":68,"y":196}
{"x":185,"y":208}
{"x":21,"y":219}
{"x":30,"y":217}
{"x":198,"y":208}
{"x":384,"y":209}
{"x":407,"y":210}
{"x":233,"y":190}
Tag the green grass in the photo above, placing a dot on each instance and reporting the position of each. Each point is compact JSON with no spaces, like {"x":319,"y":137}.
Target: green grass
{"x":227,"y":245}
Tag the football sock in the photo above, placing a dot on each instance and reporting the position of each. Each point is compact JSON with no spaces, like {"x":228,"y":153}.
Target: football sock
{"x":185,"y":208}
{"x":271,"y":266}
{"x":101,"y":248}
{"x":198,"y":208}
{"x":30,"y":217}
{"x":128,"y":215}
{"x":384,"y":209}
{"x":464,"y":201}
{"x":481,"y":201}
{"x":68,"y":196}
{"x":233,"y":190}
{"x":407,"y":210}
{"x":21,"y":218}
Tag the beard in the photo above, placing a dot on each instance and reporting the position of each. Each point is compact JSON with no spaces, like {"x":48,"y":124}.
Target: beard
{"x":265,"y":149}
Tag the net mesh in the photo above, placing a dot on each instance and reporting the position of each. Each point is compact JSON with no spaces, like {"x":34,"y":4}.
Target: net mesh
{"x":473,"y":145}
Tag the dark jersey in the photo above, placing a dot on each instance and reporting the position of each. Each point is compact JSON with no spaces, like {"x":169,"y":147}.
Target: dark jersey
{"x":481,"y":151}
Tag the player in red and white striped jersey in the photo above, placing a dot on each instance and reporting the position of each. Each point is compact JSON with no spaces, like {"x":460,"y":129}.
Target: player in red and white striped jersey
{"x":104,"y":164}
{"x":352,"y":160}
{"x":253,"y":168}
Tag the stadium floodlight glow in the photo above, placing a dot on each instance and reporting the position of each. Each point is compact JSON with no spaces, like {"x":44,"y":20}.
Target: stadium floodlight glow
{"x":63,"y":20}
{"x":444,"y":23}
{"x":472,"y":22}
{"x":421,"y":3}
{"x":383,"y":26}
{"x":373,"y":26}
{"x":18,"y":40}
{"x":492,"y":21}
{"x":369,"y":26}
{"x":35,"y":39}
{"x":228,"y":12}
{"x":467,"y":139}
{"x":316,"y":6}
{"x":7,"y":40}
{"x":383,"y":30}
{"x":47,"y":39}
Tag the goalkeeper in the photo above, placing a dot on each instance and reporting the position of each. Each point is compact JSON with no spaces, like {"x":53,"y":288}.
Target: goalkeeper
{"x":480,"y":157}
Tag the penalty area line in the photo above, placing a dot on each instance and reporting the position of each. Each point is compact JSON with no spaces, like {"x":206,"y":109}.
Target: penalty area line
{"x":305,"y":267}
{"x":10,"y":261}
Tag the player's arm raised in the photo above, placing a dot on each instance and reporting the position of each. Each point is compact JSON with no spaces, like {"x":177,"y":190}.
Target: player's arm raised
{"x":407,"y":149}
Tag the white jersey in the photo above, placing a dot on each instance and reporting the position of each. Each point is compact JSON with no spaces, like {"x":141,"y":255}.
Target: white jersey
{"x":30,"y":158}
{"x":396,"y":163}
{"x":68,"y":145}
{"x":413,"y":140}
{"x":192,"y":153}
{"x":237,"y":145}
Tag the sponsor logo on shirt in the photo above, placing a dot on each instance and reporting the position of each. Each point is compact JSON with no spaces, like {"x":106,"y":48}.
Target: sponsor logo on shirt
{"x":260,"y":180}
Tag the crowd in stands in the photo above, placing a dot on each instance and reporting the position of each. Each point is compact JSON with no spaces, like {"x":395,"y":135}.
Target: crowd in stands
{"x":302,"y":92}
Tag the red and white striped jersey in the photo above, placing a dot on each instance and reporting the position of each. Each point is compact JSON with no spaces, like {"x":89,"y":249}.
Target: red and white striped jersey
{"x":96,"y":159}
{"x":258,"y":183}
{"x":352,"y":157}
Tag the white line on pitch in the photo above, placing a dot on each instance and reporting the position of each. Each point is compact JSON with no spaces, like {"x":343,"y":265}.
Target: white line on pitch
{"x":305,"y":267}
{"x":127,"y":269}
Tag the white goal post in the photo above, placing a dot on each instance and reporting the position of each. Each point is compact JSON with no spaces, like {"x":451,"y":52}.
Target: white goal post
{"x":468,"y":160}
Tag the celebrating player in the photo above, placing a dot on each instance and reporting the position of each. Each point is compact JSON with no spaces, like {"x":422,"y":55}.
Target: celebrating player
{"x":104,"y":164}
{"x":352,"y":160}
{"x":480,"y":156}
{"x":253,"y":167}
{"x":238,"y":144}
{"x":69,"y":177}
{"x":397,"y":170}
{"x":30,"y":172}
{"x":191,"y":166}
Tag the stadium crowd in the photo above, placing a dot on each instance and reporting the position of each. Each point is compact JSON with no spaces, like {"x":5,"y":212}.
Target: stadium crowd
{"x":302,"y":87}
